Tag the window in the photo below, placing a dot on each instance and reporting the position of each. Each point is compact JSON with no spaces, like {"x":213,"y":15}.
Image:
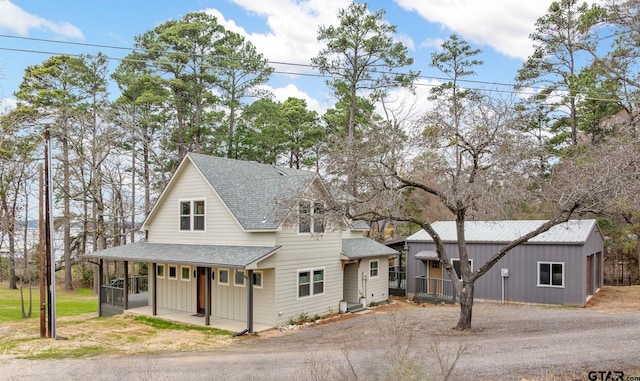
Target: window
{"x":373,"y":269}
{"x":551,"y":274}
{"x":160,"y":271}
{"x":310,"y":282}
{"x":435,"y":264}
{"x":456,"y":266}
{"x":311,"y":217}
{"x":257,"y":279}
{"x":173,"y":272}
{"x":186,"y":273}
{"x":192,"y":215}
{"x":223,"y":276}
{"x":239,"y":278}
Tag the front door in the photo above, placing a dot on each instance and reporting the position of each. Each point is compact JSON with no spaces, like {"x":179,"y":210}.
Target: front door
{"x":435,"y":277}
{"x":202,"y":285}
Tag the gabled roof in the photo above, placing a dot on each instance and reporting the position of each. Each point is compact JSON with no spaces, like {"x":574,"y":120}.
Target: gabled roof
{"x":195,"y":255}
{"x":259,"y":196}
{"x":359,"y":225}
{"x":570,"y":232}
{"x":354,"y":248}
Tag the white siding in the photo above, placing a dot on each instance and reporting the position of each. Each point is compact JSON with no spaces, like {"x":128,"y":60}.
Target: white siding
{"x":299,"y":252}
{"x":230,"y":301}
{"x":176,"y":294}
{"x":220,"y":226}
{"x":375,"y":289}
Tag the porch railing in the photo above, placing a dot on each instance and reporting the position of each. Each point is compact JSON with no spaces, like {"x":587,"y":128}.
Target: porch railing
{"x":398,"y":279}
{"x":112,"y":295}
{"x":435,"y":287}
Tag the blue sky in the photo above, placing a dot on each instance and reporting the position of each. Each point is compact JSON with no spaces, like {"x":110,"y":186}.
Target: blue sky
{"x":282,"y":30}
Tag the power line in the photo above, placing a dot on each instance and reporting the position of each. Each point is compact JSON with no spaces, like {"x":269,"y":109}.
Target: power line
{"x":512,"y":87}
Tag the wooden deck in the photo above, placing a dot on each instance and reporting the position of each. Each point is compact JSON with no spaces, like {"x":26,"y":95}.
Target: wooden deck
{"x":434,"y":290}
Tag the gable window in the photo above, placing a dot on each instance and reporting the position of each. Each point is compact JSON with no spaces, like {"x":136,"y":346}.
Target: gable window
{"x":456,"y":266}
{"x":185,"y":273}
{"x":223,"y":276}
{"x":373,"y":269}
{"x":173,"y":272}
{"x":311,"y":217}
{"x":551,"y":274}
{"x":160,"y":271}
{"x":310,"y":282}
{"x":192,"y":215}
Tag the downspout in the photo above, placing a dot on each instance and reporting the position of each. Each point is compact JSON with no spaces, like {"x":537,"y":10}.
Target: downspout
{"x":154,"y":304}
{"x":100,"y":292}
{"x":126,"y":286}
{"x":207,"y":295}
{"x":250,"y":301}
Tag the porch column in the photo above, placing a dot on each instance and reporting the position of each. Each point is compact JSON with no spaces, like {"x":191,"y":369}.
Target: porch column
{"x":100,"y":296}
{"x":250,"y":301}
{"x":154,"y":307}
{"x":126,"y":285}
{"x":207,"y":296}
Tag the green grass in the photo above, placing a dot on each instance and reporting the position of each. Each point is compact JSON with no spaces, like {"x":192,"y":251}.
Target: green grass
{"x":57,"y":353}
{"x":68,"y":303}
{"x":164,"y":324}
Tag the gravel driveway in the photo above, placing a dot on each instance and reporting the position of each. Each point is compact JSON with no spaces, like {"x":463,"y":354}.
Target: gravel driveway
{"x":508,"y":342}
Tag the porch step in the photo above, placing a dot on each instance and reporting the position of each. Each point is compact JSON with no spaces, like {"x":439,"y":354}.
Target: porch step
{"x":355,"y":307}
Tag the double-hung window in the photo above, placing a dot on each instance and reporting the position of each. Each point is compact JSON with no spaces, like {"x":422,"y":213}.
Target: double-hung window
{"x":192,"y":215}
{"x":310,"y":282}
{"x":551,"y":274}
{"x":311,"y":217}
{"x":373,"y":268}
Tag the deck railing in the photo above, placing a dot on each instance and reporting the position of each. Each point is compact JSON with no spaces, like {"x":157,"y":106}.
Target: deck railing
{"x":435,"y":287}
{"x":112,"y":295}
{"x":398,"y":279}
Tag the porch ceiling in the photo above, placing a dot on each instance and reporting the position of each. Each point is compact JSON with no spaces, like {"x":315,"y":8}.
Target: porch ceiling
{"x":197,"y":255}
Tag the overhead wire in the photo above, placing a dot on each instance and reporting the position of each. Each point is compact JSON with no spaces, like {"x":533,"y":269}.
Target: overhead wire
{"x":511,"y":87}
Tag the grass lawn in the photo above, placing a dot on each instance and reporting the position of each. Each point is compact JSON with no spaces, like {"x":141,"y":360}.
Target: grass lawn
{"x":80,"y":333}
{"x":68,"y":303}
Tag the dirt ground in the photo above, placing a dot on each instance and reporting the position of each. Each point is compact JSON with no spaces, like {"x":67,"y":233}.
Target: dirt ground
{"x":509,"y":342}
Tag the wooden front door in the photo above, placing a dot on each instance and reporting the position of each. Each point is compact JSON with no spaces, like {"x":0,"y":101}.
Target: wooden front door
{"x":202,"y":284}
{"x":435,"y":277}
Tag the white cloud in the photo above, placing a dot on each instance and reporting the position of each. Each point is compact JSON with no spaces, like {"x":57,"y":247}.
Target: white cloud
{"x":293,"y":26}
{"x":7,"y":104}
{"x":504,"y":25}
{"x":15,"y":19}
{"x":282,"y":93}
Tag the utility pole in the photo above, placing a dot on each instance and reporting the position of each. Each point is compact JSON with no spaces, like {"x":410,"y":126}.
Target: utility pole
{"x":41,"y":246}
{"x":51,"y":280}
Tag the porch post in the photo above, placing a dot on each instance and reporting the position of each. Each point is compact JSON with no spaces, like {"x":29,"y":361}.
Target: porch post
{"x":154,"y":307}
{"x":100,"y":296}
{"x":250,"y":301}
{"x":207,"y":296}
{"x":126,"y":285}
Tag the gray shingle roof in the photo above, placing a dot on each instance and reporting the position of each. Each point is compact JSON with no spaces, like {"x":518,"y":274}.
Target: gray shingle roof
{"x":571,"y":232}
{"x":259,"y":195}
{"x":200,"y":255}
{"x":364,"y":247}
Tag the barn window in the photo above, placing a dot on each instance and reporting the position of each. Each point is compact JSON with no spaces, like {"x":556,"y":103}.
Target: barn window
{"x":456,"y":266}
{"x":551,"y":274}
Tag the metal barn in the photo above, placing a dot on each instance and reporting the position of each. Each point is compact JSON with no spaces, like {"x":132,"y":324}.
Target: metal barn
{"x":561,"y":266}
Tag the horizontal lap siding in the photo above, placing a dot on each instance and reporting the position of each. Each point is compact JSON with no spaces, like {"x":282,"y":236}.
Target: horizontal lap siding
{"x":376,"y":289}
{"x":220,"y":226}
{"x":299,"y":252}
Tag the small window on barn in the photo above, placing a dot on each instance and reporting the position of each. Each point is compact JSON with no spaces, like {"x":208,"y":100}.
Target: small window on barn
{"x":173,"y":272}
{"x":159,"y":271}
{"x":456,"y":266}
{"x":550,"y":274}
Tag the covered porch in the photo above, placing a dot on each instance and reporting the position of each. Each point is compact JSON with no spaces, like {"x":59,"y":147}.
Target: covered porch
{"x":432,"y":287}
{"x":196,"y":263}
{"x":235,"y":326}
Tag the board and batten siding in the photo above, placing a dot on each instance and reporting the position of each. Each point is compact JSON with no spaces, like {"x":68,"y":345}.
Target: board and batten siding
{"x":522,"y":263}
{"x":301,"y":252}
{"x":230,"y":301}
{"x":176,"y":294}
{"x":221,"y":228}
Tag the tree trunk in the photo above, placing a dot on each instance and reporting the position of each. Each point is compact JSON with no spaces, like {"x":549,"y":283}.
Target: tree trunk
{"x":66,"y":183}
{"x":466,"y":307}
